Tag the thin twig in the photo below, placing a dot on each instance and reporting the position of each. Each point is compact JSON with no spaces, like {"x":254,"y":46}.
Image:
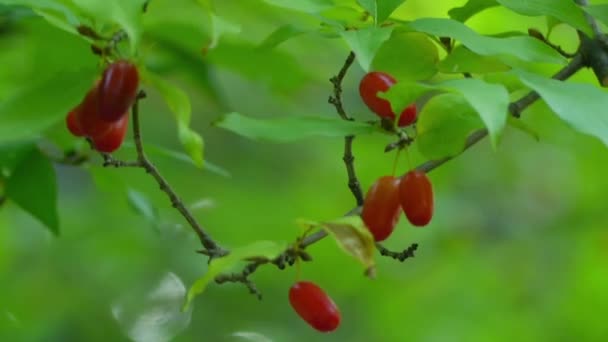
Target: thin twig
{"x":348,"y":157}
{"x":538,"y":35}
{"x":401,"y":256}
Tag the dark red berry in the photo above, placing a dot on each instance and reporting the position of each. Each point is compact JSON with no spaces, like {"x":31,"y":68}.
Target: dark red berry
{"x":381,"y":208}
{"x":72,"y":121}
{"x":89,"y":117}
{"x":408,"y":116}
{"x":112,"y":140}
{"x":372,"y":83}
{"x":117,"y":90}
{"x":314,"y":306}
{"x":416,"y":195}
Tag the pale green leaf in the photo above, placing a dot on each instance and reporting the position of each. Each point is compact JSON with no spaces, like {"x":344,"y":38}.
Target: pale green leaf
{"x":380,"y":10}
{"x":307,"y":6}
{"x":471,"y":8}
{"x":366,"y":42}
{"x":290,"y":128}
{"x":462,"y":60}
{"x":407,"y":56}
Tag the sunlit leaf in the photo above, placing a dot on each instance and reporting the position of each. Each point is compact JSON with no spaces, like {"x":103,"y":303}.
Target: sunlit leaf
{"x":407,"y":56}
{"x":259,"y":249}
{"x":444,"y":125}
{"x":307,"y":6}
{"x":179,"y":103}
{"x":402,"y":94}
{"x":353,"y":237}
{"x":366,"y":42}
{"x":524,"y":48}
{"x":291,"y":128}
{"x":33,"y":186}
{"x":471,"y":8}
{"x":583,"y":106}
{"x":153,"y":314}
{"x":22,"y":119}
{"x":462,"y":60}
{"x":380,"y":9}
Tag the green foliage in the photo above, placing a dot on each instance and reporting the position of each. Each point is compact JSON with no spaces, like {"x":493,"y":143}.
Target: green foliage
{"x":33,"y":186}
{"x":366,"y":42}
{"x":462,"y":60}
{"x":291,"y":128}
{"x":380,"y":10}
{"x":407,"y":56}
{"x":600,"y":12}
{"x":471,"y":8}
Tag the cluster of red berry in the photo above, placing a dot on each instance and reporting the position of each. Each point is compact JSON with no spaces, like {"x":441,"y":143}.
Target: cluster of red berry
{"x":389,"y":195}
{"x":103,"y":114}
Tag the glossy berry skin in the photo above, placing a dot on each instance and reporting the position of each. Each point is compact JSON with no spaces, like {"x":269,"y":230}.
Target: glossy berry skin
{"x":112,"y":140}
{"x":408,"y":116}
{"x":89,"y":115}
{"x":381,"y":208}
{"x":314,"y":306}
{"x":372,"y":83}
{"x":72,"y":121}
{"x":416,"y":194}
{"x":117,"y":90}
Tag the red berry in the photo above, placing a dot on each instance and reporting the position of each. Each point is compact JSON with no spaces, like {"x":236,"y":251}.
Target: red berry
{"x":72,"y":121}
{"x":314,"y":306}
{"x":89,"y":118}
{"x":416,"y":194}
{"x":112,"y":140}
{"x":408,"y":116}
{"x":372,"y":83}
{"x":117,"y":90}
{"x":381,"y":207}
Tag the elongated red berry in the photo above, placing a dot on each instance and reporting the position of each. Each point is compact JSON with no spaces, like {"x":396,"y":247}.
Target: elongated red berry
{"x":112,"y":140}
{"x":89,"y":118}
{"x":408,"y":116}
{"x":372,"y":83}
{"x":381,"y":208}
{"x":117,"y":90}
{"x":72,"y":121}
{"x":416,"y":195}
{"x":314,"y":306}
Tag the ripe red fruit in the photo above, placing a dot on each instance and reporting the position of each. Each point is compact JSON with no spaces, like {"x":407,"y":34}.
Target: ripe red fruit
{"x":408,"y":116}
{"x":117,"y":90}
{"x":381,"y":208}
{"x":111,"y":141}
{"x":372,"y":83}
{"x":416,"y":194}
{"x":313,"y":305}
{"x":72,"y":121}
{"x":89,"y":116}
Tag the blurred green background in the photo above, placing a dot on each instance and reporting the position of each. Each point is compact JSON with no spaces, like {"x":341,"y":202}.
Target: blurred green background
{"x":517,"y":249}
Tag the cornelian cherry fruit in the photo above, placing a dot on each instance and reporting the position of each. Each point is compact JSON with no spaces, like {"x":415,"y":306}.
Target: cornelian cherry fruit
{"x":381,"y":208}
{"x":314,"y":306}
{"x":89,"y":116}
{"x":416,"y":195}
{"x":73,"y":122}
{"x":111,"y":141}
{"x":372,"y":83}
{"x":117,"y":90}
{"x":408,"y":116}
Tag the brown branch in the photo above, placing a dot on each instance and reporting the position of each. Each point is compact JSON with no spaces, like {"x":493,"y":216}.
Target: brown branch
{"x":348,"y":157}
{"x":590,"y":19}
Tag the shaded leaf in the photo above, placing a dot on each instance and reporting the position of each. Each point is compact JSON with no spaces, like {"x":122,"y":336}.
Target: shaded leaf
{"x":280,"y":35}
{"x":143,"y":206}
{"x":366,"y":42}
{"x":402,"y":94}
{"x":462,"y":60}
{"x":471,"y":8}
{"x":523,"y":127}
{"x":23,"y":119}
{"x":444,"y":125}
{"x":599,"y":12}
{"x":33,"y":186}
{"x":525,"y":48}
{"x":259,"y":249}
{"x":407,"y":56}
{"x":307,"y":6}
{"x":353,"y":237}
{"x":380,"y":10}
{"x":583,"y":106}
{"x":179,"y":103}
{"x":286,"y":129}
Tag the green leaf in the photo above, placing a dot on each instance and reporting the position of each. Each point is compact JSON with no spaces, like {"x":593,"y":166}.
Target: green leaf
{"x":11,"y":155}
{"x":179,"y":103}
{"x":444,"y":125}
{"x":33,"y":186}
{"x":126,"y":14}
{"x":267,"y":250}
{"x":581,"y":105}
{"x":287,"y":129}
{"x":599,"y":12}
{"x":353,"y":237}
{"x":219,"y":27}
{"x":462,"y":60}
{"x":142,"y":205}
{"x":471,"y":8}
{"x":564,"y":10}
{"x":402,"y":94}
{"x":40,"y":105}
{"x":366,"y":42}
{"x":280,"y":35}
{"x":523,"y":127}
{"x":524,"y":48}
{"x":407,"y":56}
{"x":380,"y":10}
{"x":307,"y":6}
{"x":490,"y":101}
